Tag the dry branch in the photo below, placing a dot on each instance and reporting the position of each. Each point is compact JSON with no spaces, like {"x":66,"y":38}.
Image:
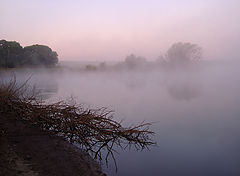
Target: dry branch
{"x":93,"y":129}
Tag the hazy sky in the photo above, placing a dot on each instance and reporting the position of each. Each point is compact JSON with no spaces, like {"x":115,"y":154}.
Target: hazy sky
{"x":111,"y":29}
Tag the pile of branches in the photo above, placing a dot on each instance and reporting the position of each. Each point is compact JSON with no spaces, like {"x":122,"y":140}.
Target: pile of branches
{"x":93,"y":129}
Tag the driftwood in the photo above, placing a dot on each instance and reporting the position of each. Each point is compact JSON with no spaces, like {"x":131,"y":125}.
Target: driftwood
{"x":93,"y":129}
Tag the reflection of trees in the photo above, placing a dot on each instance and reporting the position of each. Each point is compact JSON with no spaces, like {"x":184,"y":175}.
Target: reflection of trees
{"x":46,"y":91}
{"x":183,"y":91}
{"x":46,"y":88}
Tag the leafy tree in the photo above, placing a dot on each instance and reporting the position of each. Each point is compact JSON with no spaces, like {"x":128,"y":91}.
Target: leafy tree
{"x":183,"y":54}
{"x":12,"y":54}
{"x":103,"y":66}
{"x":90,"y":67}
{"x":133,"y":61}
{"x":39,"y":55}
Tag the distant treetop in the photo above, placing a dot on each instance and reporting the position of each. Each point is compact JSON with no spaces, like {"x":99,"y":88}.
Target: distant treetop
{"x":183,"y":54}
{"x":12,"y":54}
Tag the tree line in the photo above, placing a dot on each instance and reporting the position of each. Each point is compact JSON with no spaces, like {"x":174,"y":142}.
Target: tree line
{"x":12,"y":55}
{"x":179,"y":56}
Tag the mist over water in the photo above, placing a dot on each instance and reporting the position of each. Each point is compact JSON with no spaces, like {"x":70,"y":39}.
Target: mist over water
{"x":194,"y":104}
{"x":196,"y":114}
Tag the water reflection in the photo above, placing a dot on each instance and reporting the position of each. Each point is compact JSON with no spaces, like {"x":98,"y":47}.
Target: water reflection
{"x":197,"y":113}
{"x":43,"y":82}
{"x":46,"y":90}
{"x":184,"y":91}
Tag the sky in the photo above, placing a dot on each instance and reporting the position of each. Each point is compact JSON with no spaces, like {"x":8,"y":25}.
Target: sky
{"x":104,"y":30}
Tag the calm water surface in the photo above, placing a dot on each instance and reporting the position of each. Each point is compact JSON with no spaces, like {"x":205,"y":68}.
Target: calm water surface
{"x":197,"y":115}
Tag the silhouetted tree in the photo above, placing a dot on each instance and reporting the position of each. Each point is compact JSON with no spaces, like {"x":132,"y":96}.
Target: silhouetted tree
{"x":12,"y":54}
{"x":183,"y":54}
{"x":39,"y":55}
{"x":103,"y":66}
{"x":90,"y":67}
{"x":133,"y":61}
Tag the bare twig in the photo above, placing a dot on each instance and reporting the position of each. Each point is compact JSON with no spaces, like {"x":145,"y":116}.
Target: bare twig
{"x":93,"y":129}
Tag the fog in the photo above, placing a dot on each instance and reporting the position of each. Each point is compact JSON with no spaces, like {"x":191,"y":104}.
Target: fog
{"x":192,"y":99}
{"x":195,"y":112}
{"x":108,"y":30}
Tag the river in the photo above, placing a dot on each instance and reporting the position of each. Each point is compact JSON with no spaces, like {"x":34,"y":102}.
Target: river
{"x":196,"y":115}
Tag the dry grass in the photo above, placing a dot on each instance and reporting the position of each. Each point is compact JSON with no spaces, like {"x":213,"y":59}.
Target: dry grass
{"x":93,"y":129}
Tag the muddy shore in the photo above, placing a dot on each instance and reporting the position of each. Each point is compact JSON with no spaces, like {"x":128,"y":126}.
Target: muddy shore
{"x":26,"y":150}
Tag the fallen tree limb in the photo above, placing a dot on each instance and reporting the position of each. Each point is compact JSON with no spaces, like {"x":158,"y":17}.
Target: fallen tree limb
{"x":93,"y":129}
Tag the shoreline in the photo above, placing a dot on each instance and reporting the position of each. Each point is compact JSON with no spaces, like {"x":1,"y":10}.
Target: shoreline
{"x":26,"y":150}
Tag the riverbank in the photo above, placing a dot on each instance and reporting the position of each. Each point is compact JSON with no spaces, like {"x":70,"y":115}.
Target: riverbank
{"x":37,"y":132}
{"x":26,"y":150}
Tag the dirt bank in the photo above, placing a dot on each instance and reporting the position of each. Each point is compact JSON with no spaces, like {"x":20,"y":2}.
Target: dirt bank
{"x":25,"y":150}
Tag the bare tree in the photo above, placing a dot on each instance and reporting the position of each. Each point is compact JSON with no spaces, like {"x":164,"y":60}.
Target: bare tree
{"x":94,"y":130}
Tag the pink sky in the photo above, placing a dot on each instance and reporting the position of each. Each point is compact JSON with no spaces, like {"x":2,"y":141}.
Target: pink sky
{"x":110,"y":30}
